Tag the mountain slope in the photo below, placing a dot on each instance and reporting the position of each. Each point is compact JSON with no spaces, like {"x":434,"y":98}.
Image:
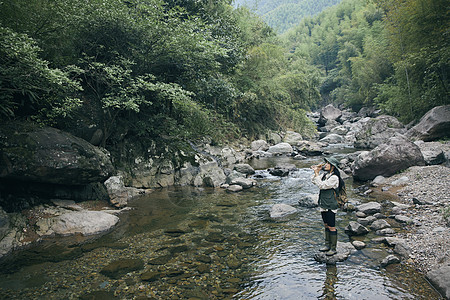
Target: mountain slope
{"x":284,"y":14}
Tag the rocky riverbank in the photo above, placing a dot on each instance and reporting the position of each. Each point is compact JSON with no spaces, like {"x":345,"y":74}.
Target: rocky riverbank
{"x":425,"y":191}
{"x":414,"y":166}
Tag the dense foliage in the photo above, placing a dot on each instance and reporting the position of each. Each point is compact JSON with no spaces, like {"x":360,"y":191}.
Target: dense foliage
{"x":284,"y":14}
{"x":143,"y":69}
{"x":147,"y":68}
{"x":391,"y":54}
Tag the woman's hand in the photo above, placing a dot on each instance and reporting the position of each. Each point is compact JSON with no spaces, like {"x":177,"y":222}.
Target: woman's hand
{"x":317,"y":168}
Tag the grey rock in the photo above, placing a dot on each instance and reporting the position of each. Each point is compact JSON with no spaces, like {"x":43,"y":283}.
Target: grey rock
{"x":310,"y":148}
{"x":369,"y":208}
{"x":119,"y":194}
{"x":245,"y":169}
{"x":246,"y":183}
{"x":402,"y":249}
{"x":332,"y":139}
{"x":379,"y":224}
{"x":79,"y":222}
{"x":390,"y":259}
{"x":360,"y":214}
{"x":344,"y":250}
{"x":359,"y":245}
{"x":309,"y":200}
{"x":440,"y":279}
{"x":367,"y":220}
{"x":4,"y":223}
{"x":329,"y":113}
{"x":377,"y":131}
{"x":403,"y":219}
{"x":234,"y":188}
{"x":259,"y":145}
{"x":281,"y":148}
{"x":387,"y":159}
{"x":354,"y":228}
{"x":48,"y":155}
{"x":401,"y":181}
{"x":379,"y":216}
{"x":386,"y":232}
{"x":281,"y":210}
{"x":282,"y":170}
{"x":435,"y":124}
{"x":292,"y":138}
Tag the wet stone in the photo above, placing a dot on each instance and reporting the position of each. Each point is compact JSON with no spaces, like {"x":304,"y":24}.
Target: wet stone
{"x":242,"y":245}
{"x":174,"y":273}
{"x":120,"y":267}
{"x":174,"y":232}
{"x":203,"y":268}
{"x":150,"y":276}
{"x":390,"y":259}
{"x":98,"y":295}
{"x":204,"y":258}
{"x":359,"y":245}
{"x":178,"y":249}
{"x":379,"y":224}
{"x":162,"y":260}
{"x":215,"y":237}
{"x":198,"y":224}
{"x":233,"y":263}
{"x":343,"y":252}
{"x":227,"y":203}
{"x":386,"y":231}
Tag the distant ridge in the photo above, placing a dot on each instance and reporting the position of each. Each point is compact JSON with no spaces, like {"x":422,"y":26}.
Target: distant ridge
{"x":281,"y":15}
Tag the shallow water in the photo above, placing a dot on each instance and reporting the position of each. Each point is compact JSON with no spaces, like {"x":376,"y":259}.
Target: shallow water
{"x":209,"y":244}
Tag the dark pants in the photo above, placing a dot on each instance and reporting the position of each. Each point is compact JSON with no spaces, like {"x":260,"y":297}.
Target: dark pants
{"x":329,"y":218}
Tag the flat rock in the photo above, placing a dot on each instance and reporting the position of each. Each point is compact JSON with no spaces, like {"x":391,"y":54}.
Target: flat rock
{"x":344,"y":250}
{"x":77,"y":222}
{"x":281,"y":210}
{"x":369,"y":208}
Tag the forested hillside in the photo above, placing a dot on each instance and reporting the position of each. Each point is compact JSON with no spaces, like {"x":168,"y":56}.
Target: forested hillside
{"x":384,"y":53}
{"x":147,"y":69}
{"x":283,"y":14}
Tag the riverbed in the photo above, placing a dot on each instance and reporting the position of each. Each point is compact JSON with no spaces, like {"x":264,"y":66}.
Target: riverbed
{"x":202,"y":243}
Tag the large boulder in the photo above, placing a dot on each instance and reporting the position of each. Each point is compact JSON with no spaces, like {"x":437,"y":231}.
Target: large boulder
{"x":77,"y":222}
{"x":281,"y":148}
{"x":259,"y":145}
{"x":440,"y":279}
{"x":292,"y":138}
{"x":434,"y":152}
{"x":329,"y":113}
{"x":48,"y":155}
{"x":377,"y":131}
{"x":332,"y":138}
{"x":435,"y":124}
{"x":387,"y":159}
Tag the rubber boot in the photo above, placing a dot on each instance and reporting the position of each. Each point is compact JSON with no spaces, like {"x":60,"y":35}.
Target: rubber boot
{"x":333,"y":242}
{"x":326,"y":247}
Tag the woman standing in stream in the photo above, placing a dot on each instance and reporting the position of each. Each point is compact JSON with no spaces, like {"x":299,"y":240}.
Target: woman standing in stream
{"x":330,"y":184}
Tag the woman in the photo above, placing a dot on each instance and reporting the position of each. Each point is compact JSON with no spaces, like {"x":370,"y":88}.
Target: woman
{"x":329,"y":184}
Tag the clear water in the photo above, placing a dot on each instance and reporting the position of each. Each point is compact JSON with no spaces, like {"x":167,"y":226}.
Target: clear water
{"x":213,"y":245}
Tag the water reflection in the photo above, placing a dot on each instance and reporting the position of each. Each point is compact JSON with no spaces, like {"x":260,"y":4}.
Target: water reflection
{"x":329,"y":291}
{"x":209,"y":244}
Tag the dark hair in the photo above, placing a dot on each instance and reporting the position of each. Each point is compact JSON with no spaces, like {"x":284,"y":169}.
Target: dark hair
{"x":336,"y":172}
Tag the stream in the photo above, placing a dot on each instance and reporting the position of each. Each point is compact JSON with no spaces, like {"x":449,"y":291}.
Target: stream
{"x":204,"y":243}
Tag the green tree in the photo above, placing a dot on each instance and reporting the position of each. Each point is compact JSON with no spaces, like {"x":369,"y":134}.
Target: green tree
{"x":28,"y":86}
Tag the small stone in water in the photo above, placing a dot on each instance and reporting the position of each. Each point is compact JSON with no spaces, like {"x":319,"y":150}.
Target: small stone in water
{"x":358,"y":245}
